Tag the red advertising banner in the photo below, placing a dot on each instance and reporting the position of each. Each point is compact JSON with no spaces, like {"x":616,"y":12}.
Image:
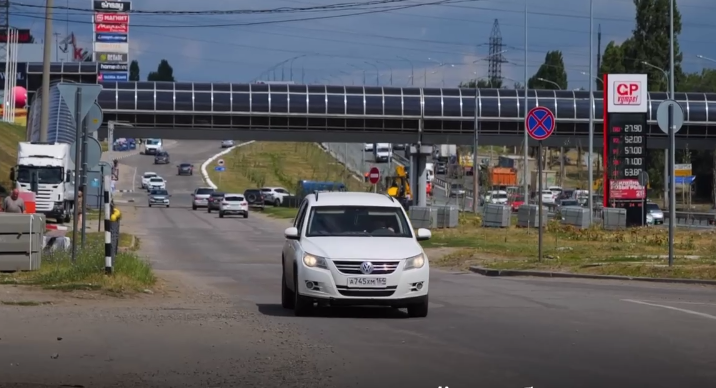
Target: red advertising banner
{"x":111,"y":18}
{"x":626,"y":189}
{"x":113,"y":28}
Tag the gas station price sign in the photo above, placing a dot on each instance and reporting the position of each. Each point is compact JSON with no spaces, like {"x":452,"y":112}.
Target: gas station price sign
{"x":626,"y":142}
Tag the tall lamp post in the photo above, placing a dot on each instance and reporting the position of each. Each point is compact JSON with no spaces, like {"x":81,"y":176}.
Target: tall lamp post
{"x":666,"y":151}
{"x":590,"y":168}
{"x":391,"y":70}
{"x":363,"y":70}
{"x":527,"y":109}
{"x":46,"y":58}
{"x":412,"y":70}
{"x":377,"y":73}
{"x":290,"y":66}
{"x":550,"y":82}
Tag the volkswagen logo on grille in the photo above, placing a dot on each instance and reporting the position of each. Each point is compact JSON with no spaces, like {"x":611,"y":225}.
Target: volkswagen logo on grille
{"x":366,"y":267}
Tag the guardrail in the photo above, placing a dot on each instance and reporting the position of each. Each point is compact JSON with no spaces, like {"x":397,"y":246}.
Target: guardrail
{"x":693,"y":218}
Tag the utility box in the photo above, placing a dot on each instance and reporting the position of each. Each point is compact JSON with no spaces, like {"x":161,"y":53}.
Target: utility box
{"x":21,"y":241}
{"x":496,"y":216}
{"x":448,"y":216}
{"x":528,"y":216}
{"x":614,"y":218}
{"x":575,"y":216}
{"x":423,"y":217}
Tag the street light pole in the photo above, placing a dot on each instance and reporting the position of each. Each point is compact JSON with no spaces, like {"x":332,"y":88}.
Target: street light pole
{"x":590,"y":168}
{"x":412,"y":71}
{"x":46,"y":59}
{"x":377,"y":73}
{"x":290,"y":66}
{"x":666,"y":151}
{"x":363,"y":70}
{"x":672,"y":139}
{"x":550,"y":82}
{"x":391,"y":71}
{"x":526,"y":139}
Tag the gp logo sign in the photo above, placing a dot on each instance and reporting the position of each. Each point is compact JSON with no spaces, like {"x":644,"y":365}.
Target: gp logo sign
{"x":627,"y":93}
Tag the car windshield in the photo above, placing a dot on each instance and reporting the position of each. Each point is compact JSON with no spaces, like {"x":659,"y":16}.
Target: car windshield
{"x":518,"y":198}
{"x":652,"y":207}
{"x":349,"y":221}
{"x":217,"y":194}
{"x":266,"y":190}
{"x":569,"y":203}
{"x":150,"y":175}
{"x":456,"y":186}
{"x":234,"y":199}
{"x":154,"y":142}
{"x":185,"y":165}
{"x":162,"y":154}
{"x":155,"y":180}
{"x":45,"y":175}
{"x":160,"y":192}
{"x":204,"y":191}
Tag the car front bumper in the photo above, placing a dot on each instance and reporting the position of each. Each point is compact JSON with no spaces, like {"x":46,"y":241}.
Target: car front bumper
{"x":161,"y":202}
{"x":331,"y":286}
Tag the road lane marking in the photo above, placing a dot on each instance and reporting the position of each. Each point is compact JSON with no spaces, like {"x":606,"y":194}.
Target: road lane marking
{"x":681,"y":302}
{"x":685,"y":311}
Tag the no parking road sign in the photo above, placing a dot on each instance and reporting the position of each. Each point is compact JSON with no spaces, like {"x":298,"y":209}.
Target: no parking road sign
{"x":220,"y":162}
{"x":540,"y":123}
{"x":374,"y":175}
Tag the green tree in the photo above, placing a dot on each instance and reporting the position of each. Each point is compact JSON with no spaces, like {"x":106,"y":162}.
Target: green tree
{"x":134,"y":71}
{"x":164,"y":72}
{"x":482,"y":83}
{"x":552,"y":70}
{"x":612,"y":63}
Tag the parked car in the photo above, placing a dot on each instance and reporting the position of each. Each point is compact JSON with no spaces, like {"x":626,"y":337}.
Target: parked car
{"x":214,"y":201}
{"x":255,"y":198}
{"x":515,"y":201}
{"x":274,"y":195}
{"x":185,"y":169}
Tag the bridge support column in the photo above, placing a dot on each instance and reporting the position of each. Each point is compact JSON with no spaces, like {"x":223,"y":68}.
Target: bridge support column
{"x":420,"y":154}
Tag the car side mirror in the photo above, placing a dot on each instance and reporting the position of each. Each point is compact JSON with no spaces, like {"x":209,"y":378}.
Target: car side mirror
{"x":291,"y":233}
{"x":192,"y":194}
{"x":423,"y":234}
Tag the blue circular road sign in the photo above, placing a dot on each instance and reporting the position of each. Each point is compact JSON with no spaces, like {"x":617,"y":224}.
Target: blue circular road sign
{"x":540,"y":123}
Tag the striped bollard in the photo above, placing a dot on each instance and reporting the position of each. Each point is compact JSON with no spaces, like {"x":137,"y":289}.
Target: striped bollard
{"x":107,"y":233}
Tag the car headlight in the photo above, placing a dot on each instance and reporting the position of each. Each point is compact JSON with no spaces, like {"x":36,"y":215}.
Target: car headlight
{"x":415,"y":261}
{"x":314,"y":261}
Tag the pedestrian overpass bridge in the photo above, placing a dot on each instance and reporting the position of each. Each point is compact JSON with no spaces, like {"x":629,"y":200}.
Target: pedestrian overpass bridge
{"x":329,"y":113}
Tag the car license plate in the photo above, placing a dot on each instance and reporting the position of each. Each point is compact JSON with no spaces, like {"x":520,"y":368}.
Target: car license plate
{"x":367,"y":282}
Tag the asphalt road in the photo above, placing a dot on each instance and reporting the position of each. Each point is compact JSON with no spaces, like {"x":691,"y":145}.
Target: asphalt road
{"x":489,"y":332}
{"x":353,"y":155}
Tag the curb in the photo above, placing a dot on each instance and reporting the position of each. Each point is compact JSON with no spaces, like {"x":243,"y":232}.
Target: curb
{"x":544,"y":274}
{"x":205,"y":174}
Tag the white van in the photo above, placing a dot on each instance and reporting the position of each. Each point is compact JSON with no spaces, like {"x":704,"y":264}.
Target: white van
{"x":383,"y":152}
{"x":152,"y":146}
{"x":429,"y":172}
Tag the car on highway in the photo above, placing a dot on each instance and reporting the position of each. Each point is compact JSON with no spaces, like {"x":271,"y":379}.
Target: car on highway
{"x":255,"y":198}
{"x":200,"y":197}
{"x":441,"y":168}
{"x":326,"y":260}
{"x":146,"y":177}
{"x":561,"y":204}
{"x":274,"y":195}
{"x":498,"y":197}
{"x":185,"y":169}
{"x":234,"y":204}
{"x":655,"y":212}
{"x":457,"y":190}
{"x":368,"y":147}
{"x":548,"y":196}
{"x":158,"y":198}
{"x":214,"y":201}
{"x":399,"y":146}
{"x":162,"y":157}
{"x":156,"y":183}
{"x":227,"y":143}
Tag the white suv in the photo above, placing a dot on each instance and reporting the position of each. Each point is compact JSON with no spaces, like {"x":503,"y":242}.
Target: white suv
{"x":274,"y":195}
{"x":348,"y":248}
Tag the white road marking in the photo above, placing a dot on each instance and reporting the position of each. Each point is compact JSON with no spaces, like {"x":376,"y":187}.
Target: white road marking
{"x":685,"y":311}
{"x":680,"y":302}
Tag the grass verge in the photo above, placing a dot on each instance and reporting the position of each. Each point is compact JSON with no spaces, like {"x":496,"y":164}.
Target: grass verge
{"x":281,"y":212}
{"x":280,"y":164}
{"x":631,"y":252}
{"x":131,"y":272}
{"x":10,"y":135}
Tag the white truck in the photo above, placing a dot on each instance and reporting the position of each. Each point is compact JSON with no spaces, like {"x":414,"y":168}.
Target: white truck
{"x":153,"y":146}
{"x":383,"y":152}
{"x":48,"y":170}
{"x":444,"y":152}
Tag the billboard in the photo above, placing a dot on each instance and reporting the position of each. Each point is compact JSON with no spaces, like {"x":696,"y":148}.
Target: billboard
{"x":111,"y":28}
{"x":111,"y":39}
{"x":627,"y":93}
{"x":23,"y":36}
{"x":114,"y":18}
{"x":112,"y":6}
{"x":111,"y":57}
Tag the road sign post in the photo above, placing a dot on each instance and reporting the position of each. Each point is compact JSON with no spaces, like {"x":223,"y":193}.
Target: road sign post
{"x":670,"y":117}
{"x":374,"y":178}
{"x":643,"y":182}
{"x":540,"y":124}
{"x":220,"y":168}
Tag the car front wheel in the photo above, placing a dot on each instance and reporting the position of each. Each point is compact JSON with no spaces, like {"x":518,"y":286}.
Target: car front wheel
{"x":286,"y":294}
{"x":419,"y":310}
{"x":301,"y":305}
{"x":221,"y":214}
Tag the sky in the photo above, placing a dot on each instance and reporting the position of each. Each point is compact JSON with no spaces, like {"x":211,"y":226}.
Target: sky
{"x":425,"y":45}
